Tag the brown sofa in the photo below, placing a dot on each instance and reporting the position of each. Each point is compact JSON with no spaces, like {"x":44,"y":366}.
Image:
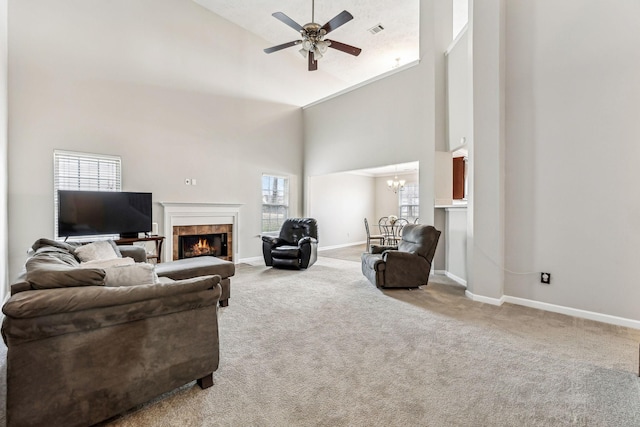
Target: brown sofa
{"x":81,"y":350}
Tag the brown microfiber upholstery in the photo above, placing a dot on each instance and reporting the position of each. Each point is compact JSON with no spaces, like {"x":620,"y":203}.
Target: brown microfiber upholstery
{"x":407,"y":265}
{"x":79,"y":355}
{"x":138,"y":253}
{"x":200,"y":266}
{"x":47,"y":270}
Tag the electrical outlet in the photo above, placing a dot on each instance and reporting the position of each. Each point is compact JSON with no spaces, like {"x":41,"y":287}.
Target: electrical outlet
{"x":545,"y":278}
{"x":187,"y":181}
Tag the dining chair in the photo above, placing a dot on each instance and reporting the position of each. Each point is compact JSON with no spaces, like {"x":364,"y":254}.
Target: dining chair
{"x":396,"y":231}
{"x":376,"y":237}
{"x":385,"y":228}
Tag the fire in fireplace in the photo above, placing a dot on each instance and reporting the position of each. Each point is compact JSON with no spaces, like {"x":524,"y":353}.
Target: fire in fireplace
{"x":191,"y":246}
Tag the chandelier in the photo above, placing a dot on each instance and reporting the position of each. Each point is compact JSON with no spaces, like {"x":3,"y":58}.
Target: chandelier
{"x":396,"y":184}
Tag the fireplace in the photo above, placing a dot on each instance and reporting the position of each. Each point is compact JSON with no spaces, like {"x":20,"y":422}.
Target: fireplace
{"x":195,"y":245}
{"x":188,"y":219}
{"x":201,"y":240}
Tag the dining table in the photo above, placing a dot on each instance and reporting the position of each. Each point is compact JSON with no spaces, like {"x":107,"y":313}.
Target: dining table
{"x":392,"y":230}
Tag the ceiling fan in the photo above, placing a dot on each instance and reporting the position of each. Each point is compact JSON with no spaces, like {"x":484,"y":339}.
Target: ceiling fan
{"x":314,"y":45}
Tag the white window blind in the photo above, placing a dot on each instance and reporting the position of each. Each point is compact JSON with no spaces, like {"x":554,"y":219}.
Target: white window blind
{"x":409,"y":201}
{"x":275,"y":202}
{"x":84,"y":171}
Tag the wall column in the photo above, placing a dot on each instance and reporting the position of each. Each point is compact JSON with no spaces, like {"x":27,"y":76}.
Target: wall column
{"x":485,"y":249}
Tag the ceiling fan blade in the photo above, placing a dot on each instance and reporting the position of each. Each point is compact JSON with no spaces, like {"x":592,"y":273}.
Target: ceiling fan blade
{"x":281,"y":46}
{"x":313,"y":64}
{"x":340,"y":19}
{"x":290,"y":22}
{"x":351,"y":50}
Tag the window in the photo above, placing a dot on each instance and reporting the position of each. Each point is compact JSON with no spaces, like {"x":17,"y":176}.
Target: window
{"x":275,"y":202}
{"x":409,"y":200}
{"x":83,"y":171}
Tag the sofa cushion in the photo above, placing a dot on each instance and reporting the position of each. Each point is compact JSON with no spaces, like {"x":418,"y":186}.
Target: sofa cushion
{"x":31,"y":304}
{"x":55,"y":254}
{"x":194,"y":267}
{"x":52,"y":267}
{"x":96,"y":251}
{"x":44,"y":242}
{"x":139,"y":273}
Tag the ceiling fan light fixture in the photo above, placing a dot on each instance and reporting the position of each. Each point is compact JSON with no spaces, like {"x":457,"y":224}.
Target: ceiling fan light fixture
{"x":322,"y":46}
{"x":313,"y":37}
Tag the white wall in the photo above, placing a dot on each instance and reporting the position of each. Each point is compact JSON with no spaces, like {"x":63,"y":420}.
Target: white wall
{"x":4,"y":239}
{"x":394,"y":120}
{"x":458,"y":92}
{"x":388,"y":133}
{"x":486,"y":199}
{"x":148,"y":81}
{"x":340,"y":202}
{"x":572,"y":150}
{"x":455,"y":238}
{"x":443,"y":177}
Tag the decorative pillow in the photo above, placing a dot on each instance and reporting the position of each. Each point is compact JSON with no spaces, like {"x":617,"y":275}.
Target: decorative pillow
{"x":96,"y":251}
{"x":105,"y":263}
{"x":115,"y":248}
{"x":44,"y":242}
{"x":140,"y":273}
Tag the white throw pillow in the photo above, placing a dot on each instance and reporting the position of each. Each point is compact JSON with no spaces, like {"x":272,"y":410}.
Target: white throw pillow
{"x":101,"y":250}
{"x":140,"y":273}
{"x":104,"y":263}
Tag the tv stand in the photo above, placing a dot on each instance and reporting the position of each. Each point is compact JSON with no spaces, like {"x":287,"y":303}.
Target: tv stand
{"x":157,"y":239}
{"x":129,"y":235}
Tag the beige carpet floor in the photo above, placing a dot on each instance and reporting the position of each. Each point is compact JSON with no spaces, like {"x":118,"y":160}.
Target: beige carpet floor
{"x":324,"y":347}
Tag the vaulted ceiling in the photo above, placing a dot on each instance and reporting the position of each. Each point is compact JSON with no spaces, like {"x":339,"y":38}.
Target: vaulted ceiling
{"x":395,"y":45}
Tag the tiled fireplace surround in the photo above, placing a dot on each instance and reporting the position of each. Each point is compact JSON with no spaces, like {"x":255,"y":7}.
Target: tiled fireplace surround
{"x":199,"y":218}
{"x":199,"y":230}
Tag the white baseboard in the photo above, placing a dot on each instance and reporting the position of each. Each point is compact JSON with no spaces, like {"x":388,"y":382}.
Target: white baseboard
{"x":575,"y":312}
{"x":486,"y":300}
{"x":250,"y":260}
{"x":455,"y":278}
{"x":569,"y":311}
{"x":345,"y":245}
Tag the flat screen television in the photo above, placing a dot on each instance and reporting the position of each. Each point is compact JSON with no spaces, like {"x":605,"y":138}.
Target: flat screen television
{"x":91,"y":213}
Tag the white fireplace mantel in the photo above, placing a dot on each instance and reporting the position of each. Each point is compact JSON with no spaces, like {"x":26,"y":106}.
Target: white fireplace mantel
{"x":185,"y":213}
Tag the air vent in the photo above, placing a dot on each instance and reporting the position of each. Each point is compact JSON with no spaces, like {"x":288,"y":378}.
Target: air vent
{"x":376,"y":29}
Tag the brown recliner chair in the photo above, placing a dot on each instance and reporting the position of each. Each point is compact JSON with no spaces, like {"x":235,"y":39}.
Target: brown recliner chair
{"x":406,"y":265}
{"x":296,"y":247}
